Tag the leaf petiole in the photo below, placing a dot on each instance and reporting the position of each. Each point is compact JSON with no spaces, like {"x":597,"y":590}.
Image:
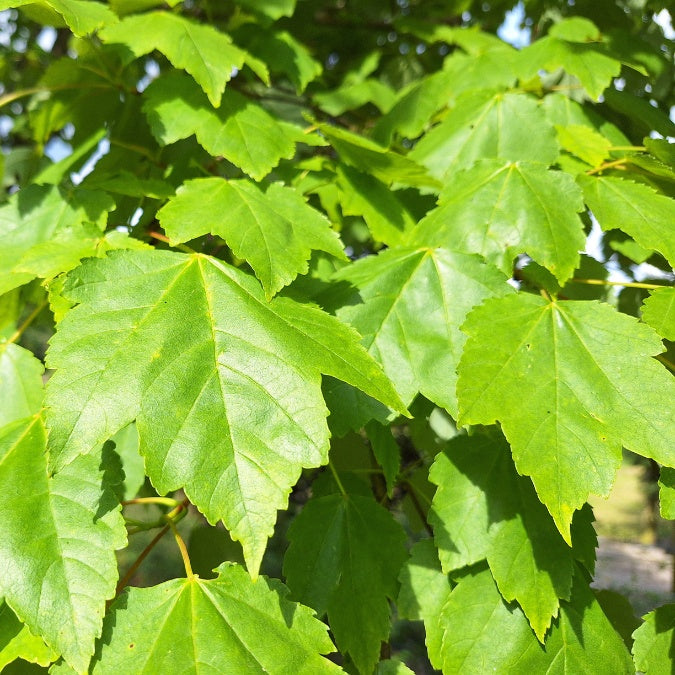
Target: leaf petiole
{"x":627,"y":284}
{"x":29,"y":320}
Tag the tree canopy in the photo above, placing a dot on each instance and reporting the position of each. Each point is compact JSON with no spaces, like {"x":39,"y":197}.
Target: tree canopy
{"x":359,"y":302}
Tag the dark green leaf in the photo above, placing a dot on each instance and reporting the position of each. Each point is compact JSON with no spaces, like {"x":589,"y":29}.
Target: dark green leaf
{"x":344,"y":558}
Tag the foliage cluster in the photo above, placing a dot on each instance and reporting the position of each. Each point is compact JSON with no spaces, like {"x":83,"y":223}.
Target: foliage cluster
{"x":326,"y":258}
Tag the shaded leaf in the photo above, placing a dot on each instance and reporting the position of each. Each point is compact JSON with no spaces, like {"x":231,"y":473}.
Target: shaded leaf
{"x":17,"y":642}
{"x":392,"y":291}
{"x":271,"y":227}
{"x":344,"y":557}
{"x":176,"y":108}
{"x":228,"y":624}
{"x":424,"y":591}
{"x":634,"y":208}
{"x":371,"y":158}
{"x":667,"y":492}
{"x":386,"y":452}
{"x":272,"y":9}
{"x":570,"y":382}
{"x":284,"y":54}
{"x":237,"y":432}
{"x":619,"y":611}
{"x":500,"y":210}
{"x":353,"y":95}
{"x":482,"y":508}
{"x":364,"y":195}
{"x":350,"y":409}
{"x":58,"y":583}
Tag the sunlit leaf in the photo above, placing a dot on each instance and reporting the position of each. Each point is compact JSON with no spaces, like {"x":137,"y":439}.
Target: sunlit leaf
{"x":228,"y":624}
{"x":273,"y":229}
{"x":236,"y":433}
{"x":571,"y":383}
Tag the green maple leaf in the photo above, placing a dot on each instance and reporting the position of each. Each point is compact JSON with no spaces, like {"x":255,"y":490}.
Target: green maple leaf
{"x":17,"y":642}
{"x":204,"y":52}
{"x":637,"y":209}
{"x":344,"y":557}
{"x":82,"y":17}
{"x":481,"y":633}
{"x":393,"y":289}
{"x":424,"y":591}
{"x":584,"y":142}
{"x":570,"y":382}
{"x":590,"y":62}
{"x":483,"y":509}
{"x":272,"y":9}
{"x":418,"y":103}
{"x":667,"y":492}
{"x":44,"y":231}
{"x":236,"y":432}
{"x":57,"y":583}
{"x":371,"y":158}
{"x":658,"y":311}
{"x":500,"y":210}
{"x":229,"y":624}
{"x":21,"y":391}
{"x":272,"y":227}
{"x":176,"y":108}
{"x":483,"y":124}
{"x":283,"y":53}
{"x":653,"y":641}
{"x":364,"y":195}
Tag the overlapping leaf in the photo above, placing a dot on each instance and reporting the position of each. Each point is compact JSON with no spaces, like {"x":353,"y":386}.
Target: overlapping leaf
{"x":652,"y":650}
{"x":484,"y":634}
{"x":575,"y":50}
{"x":17,"y":642}
{"x":667,"y":492}
{"x":484,"y":124}
{"x":393,"y":289}
{"x":416,"y":107}
{"x":21,"y":390}
{"x":272,"y":9}
{"x":483,"y":509}
{"x":284,"y":54}
{"x":637,"y":209}
{"x":204,"y":52}
{"x":570,"y":382}
{"x":81,"y":16}
{"x":369,"y":157}
{"x":364,"y":195}
{"x":424,"y":591}
{"x":176,"y":108}
{"x":226,"y":625}
{"x":44,"y":231}
{"x":500,"y":210}
{"x":344,"y":557}
{"x":57,"y":583}
{"x":658,"y":311}
{"x":236,"y":432}
{"x":271,"y":227}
